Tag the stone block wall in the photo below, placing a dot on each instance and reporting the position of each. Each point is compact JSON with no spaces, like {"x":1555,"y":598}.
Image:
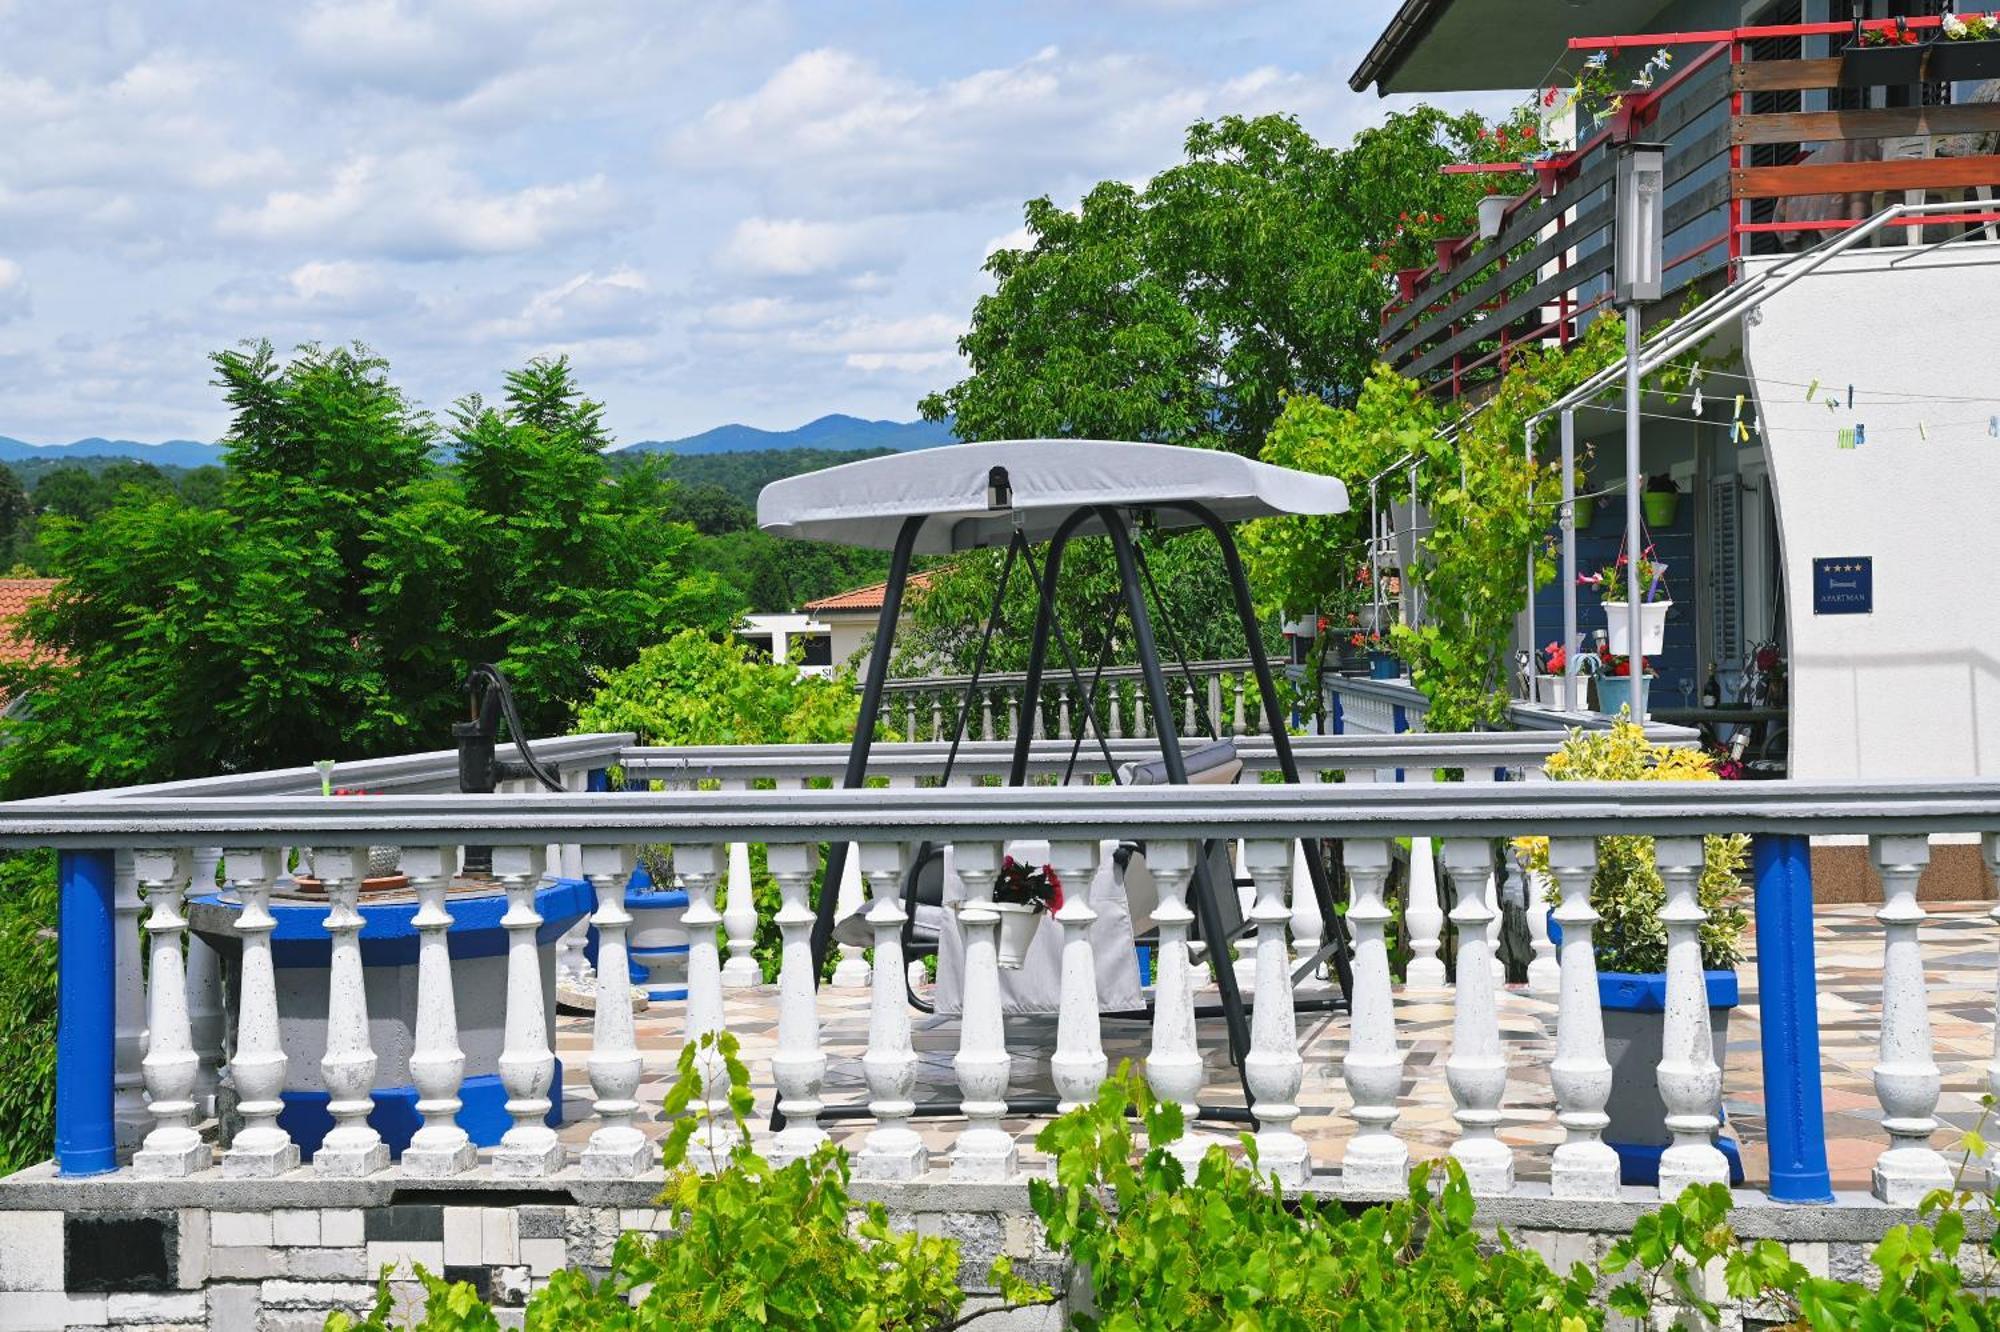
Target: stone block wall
{"x":249,"y":1256}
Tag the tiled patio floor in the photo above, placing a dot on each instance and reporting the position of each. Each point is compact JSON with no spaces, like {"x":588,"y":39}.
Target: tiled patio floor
{"x":1959,"y":950}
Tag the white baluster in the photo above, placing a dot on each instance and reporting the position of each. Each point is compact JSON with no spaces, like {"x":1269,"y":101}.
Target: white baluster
{"x":1142,"y":715}
{"x":1062,"y":716}
{"x":1187,"y":710}
{"x":1493,"y":926}
{"x":739,"y":917}
{"x":1078,"y":1065}
{"x":984,"y":1150}
{"x":986,"y":714}
{"x":352,"y":1148}
{"x":1117,"y":724}
{"x":1424,"y":918}
{"x":799,"y":1067}
{"x":1583,"y":1166}
{"x":204,"y":992}
{"x":1014,"y":708}
{"x":1273,"y":1067}
{"x":909,"y":719}
{"x":173,"y":1148}
{"x":440,"y":1148}
{"x":129,"y":1041}
{"x":892,"y":1149}
{"x":530,"y":1148}
{"x":1544,"y":974}
{"x":1377,"y":1162}
{"x":260,"y":1149}
{"x":1690,"y":1080}
{"x":1173,"y":1067}
{"x":1215,"y":706}
{"x":699,"y":867}
{"x":1236,"y":715}
{"x":937,"y":718}
{"x":1477,"y":1068}
{"x":1308,"y":922}
{"x":1245,"y":963}
{"x":851,"y":972}
{"x":617,"y":1149}
{"x":1906,"y":1075}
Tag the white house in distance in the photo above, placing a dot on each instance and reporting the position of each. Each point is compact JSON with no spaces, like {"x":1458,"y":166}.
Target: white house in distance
{"x":822,"y":635}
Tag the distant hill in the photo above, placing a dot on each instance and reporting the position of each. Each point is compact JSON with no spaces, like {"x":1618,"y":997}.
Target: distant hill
{"x":744,"y":474}
{"x":828,"y":432}
{"x":172,"y":453}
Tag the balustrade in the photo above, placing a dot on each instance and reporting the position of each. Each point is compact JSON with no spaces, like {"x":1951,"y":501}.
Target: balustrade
{"x":181,"y":1031}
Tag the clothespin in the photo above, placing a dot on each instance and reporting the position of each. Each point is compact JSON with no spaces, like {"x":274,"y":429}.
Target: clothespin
{"x":1923,"y":432}
{"x":1844,"y":437}
{"x":1694,"y":375}
{"x":1832,"y":403}
{"x":1696,"y":404}
{"x":1739,"y":408}
{"x":1812,"y":390}
{"x":1742,"y":435}
{"x":1993,"y":426}
{"x":1860,"y":434}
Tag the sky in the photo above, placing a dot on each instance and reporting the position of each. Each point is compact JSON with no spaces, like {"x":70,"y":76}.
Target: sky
{"x":720,"y":210}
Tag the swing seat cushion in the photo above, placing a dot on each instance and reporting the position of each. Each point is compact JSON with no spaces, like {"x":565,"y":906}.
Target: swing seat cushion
{"x":1214,"y":764}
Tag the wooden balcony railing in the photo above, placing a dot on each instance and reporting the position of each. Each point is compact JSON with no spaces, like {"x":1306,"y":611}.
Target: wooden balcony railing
{"x":1739,"y":180}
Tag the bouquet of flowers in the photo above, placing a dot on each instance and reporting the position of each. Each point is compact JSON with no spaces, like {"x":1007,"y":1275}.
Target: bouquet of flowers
{"x":1028,"y":885}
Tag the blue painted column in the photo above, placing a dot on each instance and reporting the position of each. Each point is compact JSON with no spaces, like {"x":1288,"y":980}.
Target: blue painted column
{"x":1787,"y":998}
{"x":86,"y":968}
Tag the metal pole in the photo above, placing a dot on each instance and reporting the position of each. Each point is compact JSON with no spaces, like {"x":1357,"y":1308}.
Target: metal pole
{"x":1633,"y":591}
{"x":1571,"y":644}
{"x":1528,"y":450}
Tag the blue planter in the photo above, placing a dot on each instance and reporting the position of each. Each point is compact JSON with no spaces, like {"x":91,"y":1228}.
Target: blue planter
{"x":301,"y":950}
{"x":1632,"y":1004}
{"x":1384,"y":666}
{"x":1615,"y":692}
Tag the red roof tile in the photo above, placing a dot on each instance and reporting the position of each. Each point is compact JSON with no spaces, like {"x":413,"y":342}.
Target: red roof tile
{"x":866,"y":598}
{"x":16,"y":595}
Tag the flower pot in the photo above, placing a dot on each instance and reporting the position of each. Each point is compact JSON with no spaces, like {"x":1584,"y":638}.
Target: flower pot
{"x":1953,"y":62}
{"x":1614,"y":693}
{"x":1384,"y":666}
{"x":1882,"y":66}
{"x":1586,"y":512}
{"x":1634,"y":1007}
{"x":1652,"y":627}
{"x":1018,"y":923}
{"x":1492,"y":213}
{"x":1660,"y":507}
{"x":1549,"y":693}
{"x":657,"y":939}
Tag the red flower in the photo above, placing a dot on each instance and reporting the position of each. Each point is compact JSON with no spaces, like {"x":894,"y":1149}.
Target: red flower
{"x":1055,"y":887}
{"x":1549,"y":97}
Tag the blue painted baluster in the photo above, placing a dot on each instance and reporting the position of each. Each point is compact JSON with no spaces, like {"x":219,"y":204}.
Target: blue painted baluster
{"x":86,"y":1143}
{"x":1787,"y":997}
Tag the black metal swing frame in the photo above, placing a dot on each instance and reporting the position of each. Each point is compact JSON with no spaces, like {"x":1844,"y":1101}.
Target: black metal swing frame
{"x":1202,"y":888}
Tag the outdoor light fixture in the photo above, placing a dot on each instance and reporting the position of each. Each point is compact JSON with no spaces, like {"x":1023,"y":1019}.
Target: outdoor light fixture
{"x":999,"y":491}
{"x":1642,"y":190}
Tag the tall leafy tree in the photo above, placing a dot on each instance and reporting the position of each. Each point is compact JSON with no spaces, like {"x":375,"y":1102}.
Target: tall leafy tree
{"x":334,"y":601}
{"x":1183,"y":312}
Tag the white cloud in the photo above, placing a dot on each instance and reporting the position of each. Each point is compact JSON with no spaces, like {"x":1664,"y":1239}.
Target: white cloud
{"x":837,"y":124}
{"x":422,"y":204}
{"x":797,"y":248}
{"x":14,"y":301}
{"x":583,"y":308}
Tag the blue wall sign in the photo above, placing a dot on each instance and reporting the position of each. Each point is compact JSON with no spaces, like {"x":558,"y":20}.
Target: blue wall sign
{"x":1844,"y":585}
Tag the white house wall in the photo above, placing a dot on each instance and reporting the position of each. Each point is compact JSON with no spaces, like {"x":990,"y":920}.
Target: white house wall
{"x":1913,"y":689}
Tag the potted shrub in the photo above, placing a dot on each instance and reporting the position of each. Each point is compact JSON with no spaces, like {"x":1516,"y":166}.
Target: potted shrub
{"x":1630,"y":941}
{"x":1890,"y":56}
{"x":1022,"y":894}
{"x":1661,"y":501}
{"x":1651,"y":585}
{"x":1968,"y":48}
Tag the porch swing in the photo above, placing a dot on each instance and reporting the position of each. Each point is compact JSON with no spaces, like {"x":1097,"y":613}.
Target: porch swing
{"x":1016,"y":494}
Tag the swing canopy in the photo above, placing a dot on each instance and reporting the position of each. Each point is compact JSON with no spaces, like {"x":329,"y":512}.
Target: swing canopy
{"x":1045,"y":481}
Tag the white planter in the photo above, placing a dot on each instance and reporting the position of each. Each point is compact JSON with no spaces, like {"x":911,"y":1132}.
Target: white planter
{"x":1492,"y":212}
{"x":1549,"y":693}
{"x":1018,"y":923}
{"x":1652,"y":626}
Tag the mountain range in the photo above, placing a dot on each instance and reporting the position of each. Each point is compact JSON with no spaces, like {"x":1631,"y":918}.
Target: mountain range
{"x":828,"y":432}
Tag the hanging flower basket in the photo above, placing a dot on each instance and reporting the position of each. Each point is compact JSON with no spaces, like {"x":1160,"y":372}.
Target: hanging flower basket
{"x":1883,"y":58}
{"x":1964,"y":61}
{"x":1652,"y":626}
{"x":1018,"y":923}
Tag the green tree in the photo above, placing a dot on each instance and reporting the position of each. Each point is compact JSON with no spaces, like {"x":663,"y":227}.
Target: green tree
{"x":710,"y":510}
{"x":16,"y":514}
{"x":1184,"y":312}
{"x":334,"y":602}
